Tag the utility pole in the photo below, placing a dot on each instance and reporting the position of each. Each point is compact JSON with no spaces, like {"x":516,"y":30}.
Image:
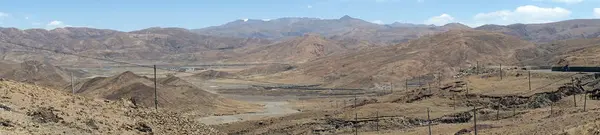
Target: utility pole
{"x":392,"y":82}
{"x":477,"y":68}
{"x":406,"y":84}
{"x":439,"y":78}
{"x":155,"y":92}
{"x":529,"y":72}
{"x":500,"y":71}
{"x":428,"y":121}
{"x":420,"y":81}
{"x":72,"y":82}
{"x":355,"y":116}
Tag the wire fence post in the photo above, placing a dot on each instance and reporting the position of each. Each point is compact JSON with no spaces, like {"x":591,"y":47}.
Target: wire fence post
{"x":356,"y":123}
{"x":584,"y":100}
{"x":428,"y":121}
{"x":551,"y":106}
{"x":429,"y":85}
{"x":439,"y":79}
{"x":498,"y":112}
{"x":575,"y":100}
{"x":155,"y":92}
{"x":454,"y":101}
{"x":514,"y":110}
{"x":467,"y":83}
{"x":475,"y":119}
{"x":377,"y":120}
{"x":391,"y":87}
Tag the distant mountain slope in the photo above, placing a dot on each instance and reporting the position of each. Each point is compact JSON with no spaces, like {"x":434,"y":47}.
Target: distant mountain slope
{"x":583,"y":52}
{"x":148,"y":45}
{"x":297,"y":50}
{"x":548,"y":32}
{"x":444,"y":52}
{"x":287,"y":27}
{"x":345,"y":27}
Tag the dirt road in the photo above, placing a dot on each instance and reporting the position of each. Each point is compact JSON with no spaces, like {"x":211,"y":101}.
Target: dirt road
{"x":272,"y":109}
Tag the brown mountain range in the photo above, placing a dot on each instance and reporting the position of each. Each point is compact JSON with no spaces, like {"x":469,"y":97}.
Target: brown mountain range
{"x":444,"y":52}
{"x":154,"y":45}
{"x":548,"y":32}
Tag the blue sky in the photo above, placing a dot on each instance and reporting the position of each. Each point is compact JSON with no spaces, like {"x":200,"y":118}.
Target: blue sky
{"x":127,"y":15}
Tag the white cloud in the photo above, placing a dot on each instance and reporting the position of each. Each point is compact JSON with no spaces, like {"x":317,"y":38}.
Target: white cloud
{"x":309,"y":6}
{"x":266,"y":20}
{"x":56,"y":24}
{"x":597,"y":12}
{"x":2,"y":14}
{"x":522,"y":14}
{"x":563,"y":1}
{"x":377,"y":22}
{"x":440,"y":20}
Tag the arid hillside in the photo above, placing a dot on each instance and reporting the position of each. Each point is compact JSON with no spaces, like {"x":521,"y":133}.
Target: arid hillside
{"x":30,"y":109}
{"x":297,"y":50}
{"x":35,"y":72}
{"x":446,"y":53}
{"x":549,"y":32}
{"x":173,"y":94}
{"x":583,"y":52}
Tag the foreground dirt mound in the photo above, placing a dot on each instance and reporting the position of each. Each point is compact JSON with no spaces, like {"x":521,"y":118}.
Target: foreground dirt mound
{"x":35,"y":72}
{"x":173,"y":94}
{"x":29,"y":109}
{"x":266,"y":69}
